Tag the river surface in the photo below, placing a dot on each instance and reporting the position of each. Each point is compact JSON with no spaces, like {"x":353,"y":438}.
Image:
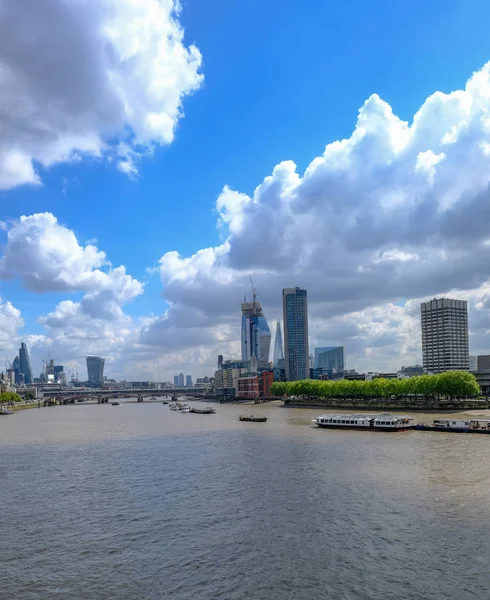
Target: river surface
{"x":138,"y":502}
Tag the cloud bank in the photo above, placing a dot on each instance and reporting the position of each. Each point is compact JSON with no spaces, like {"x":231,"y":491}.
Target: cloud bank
{"x":389,"y":216}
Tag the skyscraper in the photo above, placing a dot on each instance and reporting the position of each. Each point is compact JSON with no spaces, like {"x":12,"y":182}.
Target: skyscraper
{"x":95,"y":369}
{"x":330,"y":358}
{"x":176,"y":380}
{"x":444,"y":335}
{"x":256,"y":335}
{"x":188,"y":381}
{"x":25,"y":364}
{"x":278,"y":347}
{"x":295,"y":319}
{"x":181,"y":380}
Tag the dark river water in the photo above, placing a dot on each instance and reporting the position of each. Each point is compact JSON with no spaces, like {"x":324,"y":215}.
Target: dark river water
{"x":138,"y":502}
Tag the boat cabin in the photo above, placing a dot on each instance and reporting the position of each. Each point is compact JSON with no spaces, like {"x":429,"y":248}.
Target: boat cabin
{"x":391,"y":421}
{"x":480,"y":424}
{"x":450,"y":424}
{"x":344,"y":420}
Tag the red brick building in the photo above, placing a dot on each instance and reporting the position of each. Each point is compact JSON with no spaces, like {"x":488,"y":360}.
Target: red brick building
{"x":266,"y":379}
{"x":248,"y":386}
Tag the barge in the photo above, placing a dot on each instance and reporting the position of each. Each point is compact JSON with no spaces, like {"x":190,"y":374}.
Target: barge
{"x":383,"y":422}
{"x":252,"y":418}
{"x":450,"y":425}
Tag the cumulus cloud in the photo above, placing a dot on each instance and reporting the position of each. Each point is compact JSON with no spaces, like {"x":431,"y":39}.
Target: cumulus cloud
{"x":10,"y":323}
{"x":398,"y":210}
{"x":47,"y":257}
{"x":76,"y":76}
{"x":390,"y":216}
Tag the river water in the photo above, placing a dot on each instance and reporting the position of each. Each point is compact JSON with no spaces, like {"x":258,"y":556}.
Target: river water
{"x":141,"y":503}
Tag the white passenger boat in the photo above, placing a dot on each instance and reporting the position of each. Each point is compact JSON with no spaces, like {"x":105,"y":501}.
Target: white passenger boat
{"x":185,"y":408}
{"x":173,"y":406}
{"x":383,"y":422}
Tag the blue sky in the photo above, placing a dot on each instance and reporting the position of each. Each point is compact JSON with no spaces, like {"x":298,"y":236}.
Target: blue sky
{"x":282,"y":79}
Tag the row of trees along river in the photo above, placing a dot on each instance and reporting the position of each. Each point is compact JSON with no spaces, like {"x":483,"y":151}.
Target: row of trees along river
{"x":449,"y":385}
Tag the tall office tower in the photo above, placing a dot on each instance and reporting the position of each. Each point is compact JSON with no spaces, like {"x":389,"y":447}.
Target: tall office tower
{"x":181,"y":380}
{"x":295,"y":319}
{"x":95,"y":369}
{"x":16,"y":365}
{"x":188,"y":381}
{"x":25,"y":364}
{"x":176,"y":380}
{"x":330,"y":358}
{"x":256,"y":335}
{"x":278,"y":359}
{"x":444,"y":335}
{"x":220,"y":360}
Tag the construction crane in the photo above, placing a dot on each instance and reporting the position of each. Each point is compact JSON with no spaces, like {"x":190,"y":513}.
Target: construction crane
{"x":254,"y":293}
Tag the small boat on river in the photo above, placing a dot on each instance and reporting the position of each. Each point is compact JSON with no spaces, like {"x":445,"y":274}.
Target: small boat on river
{"x":252,"y":418}
{"x":383,"y":422}
{"x":455,"y":426}
{"x":6,"y":411}
{"x":207,"y":410}
{"x":115,"y":403}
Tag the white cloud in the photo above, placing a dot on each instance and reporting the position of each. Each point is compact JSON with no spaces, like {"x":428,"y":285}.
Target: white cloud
{"x":47,"y":257}
{"x":390,"y":216}
{"x":10,"y":323}
{"x":85,"y":74}
{"x":398,"y":210}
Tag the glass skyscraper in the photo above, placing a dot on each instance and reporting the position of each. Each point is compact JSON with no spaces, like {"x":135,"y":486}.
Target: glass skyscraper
{"x":95,"y":369}
{"x":25,"y":363}
{"x":330,"y":358}
{"x":295,"y":318}
{"x":256,"y":334}
{"x":278,"y":347}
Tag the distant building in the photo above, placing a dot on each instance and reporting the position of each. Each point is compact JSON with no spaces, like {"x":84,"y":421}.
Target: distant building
{"x":95,"y":369}
{"x":278,"y":358}
{"x":295,"y":319}
{"x":188,"y":380}
{"x":25,"y":364}
{"x":57,"y":370}
{"x":320,"y":373}
{"x":444,"y":335}
{"x":330,"y":358}
{"x":483,"y":362}
{"x":255,"y":333}
{"x":248,"y":387}
{"x":412,"y":370}
{"x":181,"y":380}
{"x":176,"y":380}
{"x":220,"y":360}
{"x":266,"y":379}
{"x":226,"y":379}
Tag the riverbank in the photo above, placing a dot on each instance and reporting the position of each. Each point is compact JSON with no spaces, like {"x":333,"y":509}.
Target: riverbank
{"x":414,"y":405}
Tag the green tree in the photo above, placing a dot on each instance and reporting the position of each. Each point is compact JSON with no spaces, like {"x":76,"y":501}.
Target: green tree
{"x":9,"y":397}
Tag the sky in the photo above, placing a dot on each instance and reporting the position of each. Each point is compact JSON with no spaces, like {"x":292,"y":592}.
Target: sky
{"x":155,"y":155}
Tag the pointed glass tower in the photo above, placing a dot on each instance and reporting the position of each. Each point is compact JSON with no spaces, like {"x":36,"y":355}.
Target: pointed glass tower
{"x":278,"y":347}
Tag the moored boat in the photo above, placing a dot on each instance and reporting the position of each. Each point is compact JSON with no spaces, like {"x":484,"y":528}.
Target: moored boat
{"x":173,"y":406}
{"x":252,"y":418}
{"x":207,"y":410}
{"x":382,"y":422}
{"x":6,"y":411}
{"x":457,"y":426}
{"x":185,"y":408}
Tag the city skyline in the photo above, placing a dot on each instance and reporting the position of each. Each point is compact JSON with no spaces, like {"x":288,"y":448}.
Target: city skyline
{"x":350,"y":198}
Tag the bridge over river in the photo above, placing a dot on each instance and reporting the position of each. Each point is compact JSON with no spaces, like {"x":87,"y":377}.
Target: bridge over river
{"x":103,"y":396}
